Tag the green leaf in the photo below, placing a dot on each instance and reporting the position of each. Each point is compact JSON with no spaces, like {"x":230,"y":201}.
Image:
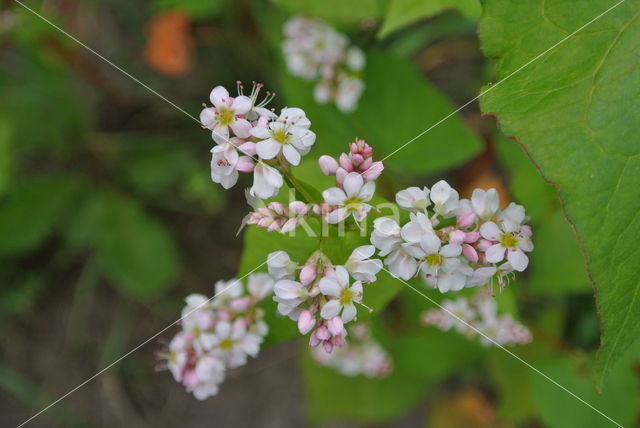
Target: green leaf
{"x":405,"y":12}
{"x":388,"y":116}
{"x":198,"y":9}
{"x":417,"y":366}
{"x":135,"y":250}
{"x":559,"y":409}
{"x":31,"y":211}
{"x":575,"y":110}
{"x":335,"y":10}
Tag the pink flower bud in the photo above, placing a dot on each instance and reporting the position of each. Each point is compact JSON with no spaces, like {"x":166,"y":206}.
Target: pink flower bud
{"x":289,"y":225}
{"x":306,"y":322}
{"x":470,"y":252}
{"x":298,"y":208}
{"x":338,"y":341}
{"x":265,"y":222}
{"x":345,"y":162}
{"x":328,"y":165}
{"x":244,"y":164}
{"x":277,"y":207}
{"x":263,"y":121}
{"x":457,"y":237}
{"x":466,"y":220}
{"x":307,"y":274}
{"x":357,"y":159}
{"x":366,"y":164}
{"x":373,"y":172}
{"x":313,"y":340}
{"x":248,"y":148}
{"x":335,"y":325}
{"x":328,"y":346}
{"x":241,"y":304}
{"x":472,"y":237}
{"x":322,"y":333}
{"x":341,"y":173}
{"x":275,"y":225}
{"x":483,"y":245}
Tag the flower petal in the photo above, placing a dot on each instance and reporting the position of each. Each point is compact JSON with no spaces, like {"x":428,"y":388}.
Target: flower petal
{"x":330,"y":309}
{"x":352,"y":184}
{"x":268,"y":149}
{"x":495,"y":253}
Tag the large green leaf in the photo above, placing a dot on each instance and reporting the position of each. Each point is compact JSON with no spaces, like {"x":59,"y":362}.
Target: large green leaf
{"x":335,"y":10}
{"x":404,"y":12}
{"x":575,"y":110}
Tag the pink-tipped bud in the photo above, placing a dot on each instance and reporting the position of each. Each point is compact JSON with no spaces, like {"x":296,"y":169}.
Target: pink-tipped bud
{"x":306,"y":322}
{"x":328,"y":165}
{"x":457,"y":237}
{"x":366,"y":164}
{"x":357,"y":159}
{"x":307,"y":274}
{"x":274,"y":226}
{"x":328,"y":346}
{"x":244,"y":164}
{"x":265,"y":222}
{"x":241,"y":304}
{"x":472,"y":237}
{"x":338,"y":341}
{"x":466,"y":220}
{"x":322,"y":333}
{"x":248,"y":148}
{"x":335,"y":325}
{"x":277,"y":207}
{"x":345,"y":162}
{"x":373,"y":172}
{"x":298,"y":208}
{"x":341,"y":173}
{"x":483,"y":245}
{"x":289,"y":225}
{"x":263,"y":121}
{"x":470,"y":253}
{"x":313,"y":340}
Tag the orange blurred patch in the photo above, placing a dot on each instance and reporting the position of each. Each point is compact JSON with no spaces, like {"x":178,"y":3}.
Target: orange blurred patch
{"x":169,"y":47}
{"x":466,"y":408}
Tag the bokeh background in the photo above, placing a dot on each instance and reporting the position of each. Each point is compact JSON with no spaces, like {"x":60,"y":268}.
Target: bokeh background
{"x":108,"y":218}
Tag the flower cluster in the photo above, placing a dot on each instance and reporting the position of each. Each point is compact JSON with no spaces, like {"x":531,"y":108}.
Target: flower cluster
{"x":478,"y":316}
{"x":251,"y":138}
{"x":355,"y":174}
{"x":218,"y":334}
{"x":319,"y":295}
{"x":314,"y":50}
{"x":454,"y":243}
{"x":363,"y":355}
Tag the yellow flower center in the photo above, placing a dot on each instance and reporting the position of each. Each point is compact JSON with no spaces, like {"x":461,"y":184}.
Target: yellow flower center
{"x":226,"y":344}
{"x":346,"y":296}
{"x":508,"y":240}
{"x":353,"y":204}
{"x":434,"y":260}
{"x":280,"y":135}
{"x":226,"y":116}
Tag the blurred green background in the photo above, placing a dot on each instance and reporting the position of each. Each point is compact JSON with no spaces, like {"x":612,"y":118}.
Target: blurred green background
{"x":108,"y":218}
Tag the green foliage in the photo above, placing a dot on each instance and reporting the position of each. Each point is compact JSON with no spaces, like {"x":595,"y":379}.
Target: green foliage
{"x":135,"y":251}
{"x":389,"y":116}
{"x":419,"y":360}
{"x":574,"y":111}
{"x":198,"y":9}
{"x":335,"y":10}
{"x":404,"y":12}
{"x":31,"y":211}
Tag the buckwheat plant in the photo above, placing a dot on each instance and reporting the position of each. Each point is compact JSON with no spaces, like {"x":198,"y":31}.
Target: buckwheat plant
{"x":218,"y":334}
{"x":315,"y":51}
{"x":450,"y":243}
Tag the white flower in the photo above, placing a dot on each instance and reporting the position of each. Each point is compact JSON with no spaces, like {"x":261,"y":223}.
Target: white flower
{"x":266,"y":181}
{"x":355,"y":59}
{"x":210,"y":374}
{"x":288,"y":134}
{"x":289,"y":294}
{"x":233,"y":343}
{"x":439,"y":262}
{"x":361,"y":266}
{"x":196,"y":315}
{"x":481,"y":276}
{"x":385,"y":235}
{"x":456,"y":314}
{"x":510,"y":239}
{"x":222,"y":171}
{"x":344,"y":295}
{"x":260,"y":285}
{"x":512,"y":217}
{"x":401,"y":263}
{"x":485,"y":203}
{"x":225,"y":291}
{"x":351,"y":200}
{"x":413,"y":199}
{"x":418,"y":226}
{"x":348,"y":92}
{"x":280,"y":265}
{"x":444,"y":198}
{"x":225,"y":114}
